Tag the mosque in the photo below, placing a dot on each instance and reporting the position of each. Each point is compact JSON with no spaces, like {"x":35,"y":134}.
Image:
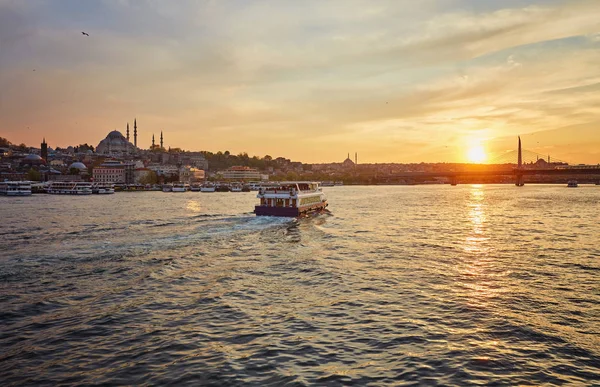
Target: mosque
{"x":117,"y":144}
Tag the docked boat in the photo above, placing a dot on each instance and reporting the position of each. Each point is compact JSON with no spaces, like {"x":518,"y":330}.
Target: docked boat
{"x":327,"y":184}
{"x":167,"y":188}
{"x":103,"y":188}
{"x":15,"y":188}
{"x":254,"y":185}
{"x":572,"y":184}
{"x":338,"y":183}
{"x":236,"y":188}
{"x":208,"y":187}
{"x":69,"y":188}
{"x":292,"y":199}
{"x":179,"y":187}
{"x":195,"y":187}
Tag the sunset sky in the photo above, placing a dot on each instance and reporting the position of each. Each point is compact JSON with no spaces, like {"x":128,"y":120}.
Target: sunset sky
{"x":395,"y":81}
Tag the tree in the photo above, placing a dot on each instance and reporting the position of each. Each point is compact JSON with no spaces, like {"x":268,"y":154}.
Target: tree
{"x":4,"y":142}
{"x":150,"y":178}
{"x":34,"y":175}
{"x":74,"y":171}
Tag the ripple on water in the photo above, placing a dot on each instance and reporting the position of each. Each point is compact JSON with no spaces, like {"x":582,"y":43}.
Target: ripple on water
{"x":427,"y":285}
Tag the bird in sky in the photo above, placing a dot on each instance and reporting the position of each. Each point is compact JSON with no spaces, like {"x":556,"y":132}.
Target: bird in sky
{"x":85,"y":33}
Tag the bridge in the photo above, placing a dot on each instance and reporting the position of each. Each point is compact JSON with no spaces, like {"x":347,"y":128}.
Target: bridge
{"x":505,"y":166}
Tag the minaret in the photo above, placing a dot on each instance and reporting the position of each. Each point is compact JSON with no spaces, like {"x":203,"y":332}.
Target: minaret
{"x":355,"y":157}
{"x":44,"y":150}
{"x":161,"y":140}
{"x":128,"y":131}
{"x":135,"y":132}
{"x":348,"y":155}
{"x":152,"y":140}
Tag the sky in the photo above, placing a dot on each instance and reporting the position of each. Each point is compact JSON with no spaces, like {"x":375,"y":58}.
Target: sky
{"x":395,"y":81}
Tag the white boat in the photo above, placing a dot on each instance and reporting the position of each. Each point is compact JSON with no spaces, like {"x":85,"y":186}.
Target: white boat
{"x":103,"y":188}
{"x":15,"y":188}
{"x":208,"y":187}
{"x":69,"y":188}
{"x":254,"y":185}
{"x":195,"y":187}
{"x":338,"y":183}
{"x":293,"y":198}
{"x":236,"y":188}
{"x":167,"y":188}
{"x":179,"y":187}
{"x":327,"y":184}
{"x":572,"y":184}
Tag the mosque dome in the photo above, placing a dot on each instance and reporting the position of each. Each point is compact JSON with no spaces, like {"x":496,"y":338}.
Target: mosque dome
{"x":78,"y":165}
{"x":33,"y":160}
{"x":33,"y":157}
{"x":115,"y":143}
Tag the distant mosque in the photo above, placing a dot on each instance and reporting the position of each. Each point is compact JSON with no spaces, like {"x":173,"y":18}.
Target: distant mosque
{"x":348,"y":162}
{"x":118,"y":145}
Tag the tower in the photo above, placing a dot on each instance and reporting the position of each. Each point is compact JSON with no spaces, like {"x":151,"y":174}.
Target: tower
{"x":153,"y":141}
{"x":44,"y":149}
{"x":135,"y":132}
{"x":355,"y":157}
{"x":128,"y":131}
{"x":161,"y":140}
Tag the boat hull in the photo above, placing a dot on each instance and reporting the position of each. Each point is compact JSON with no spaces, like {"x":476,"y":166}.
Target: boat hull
{"x":291,"y":212}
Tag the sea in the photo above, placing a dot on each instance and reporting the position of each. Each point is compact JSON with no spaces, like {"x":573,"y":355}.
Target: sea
{"x":393,"y":285}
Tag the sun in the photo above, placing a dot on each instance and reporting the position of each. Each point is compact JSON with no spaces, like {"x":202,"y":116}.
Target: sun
{"x":476,"y":154}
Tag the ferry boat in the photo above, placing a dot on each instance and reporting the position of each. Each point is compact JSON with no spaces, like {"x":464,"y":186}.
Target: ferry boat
{"x":327,"y":183}
{"x":292,"y":199}
{"x":236,"y":188}
{"x":167,"y":188}
{"x":179,"y":187}
{"x":254,"y":185}
{"x":572,"y":184}
{"x":69,"y":188}
{"x":338,"y":183}
{"x":195,"y":187}
{"x":208,"y":187}
{"x":103,"y":188}
{"x":15,"y":188}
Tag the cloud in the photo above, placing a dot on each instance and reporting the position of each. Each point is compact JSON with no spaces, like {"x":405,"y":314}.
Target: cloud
{"x":313,"y":74}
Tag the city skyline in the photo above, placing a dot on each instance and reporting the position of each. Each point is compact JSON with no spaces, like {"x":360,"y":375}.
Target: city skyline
{"x":397,"y":81}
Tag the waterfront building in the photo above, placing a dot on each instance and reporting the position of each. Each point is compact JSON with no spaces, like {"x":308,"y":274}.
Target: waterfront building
{"x":189,"y":174}
{"x":115,"y":144}
{"x":241,"y":173}
{"x":114,"y":171}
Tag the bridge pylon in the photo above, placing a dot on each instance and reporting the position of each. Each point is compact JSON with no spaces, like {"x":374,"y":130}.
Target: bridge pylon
{"x":519,"y":176}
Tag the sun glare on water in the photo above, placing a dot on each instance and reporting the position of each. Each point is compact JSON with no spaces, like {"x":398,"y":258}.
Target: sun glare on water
{"x":476,"y":154}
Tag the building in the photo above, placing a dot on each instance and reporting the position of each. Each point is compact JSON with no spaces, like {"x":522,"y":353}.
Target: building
{"x":44,"y":150}
{"x":115,"y":144}
{"x":113,"y":171}
{"x":241,"y":173}
{"x":190,"y":174}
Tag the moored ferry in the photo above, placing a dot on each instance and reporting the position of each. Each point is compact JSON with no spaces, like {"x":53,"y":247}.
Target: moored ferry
{"x":69,"y":188}
{"x":195,"y":187}
{"x":103,"y":188}
{"x":167,"y":188}
{"x":207,"y":187}
{"x":15,"y":188}
{"x":292,"y":199}
{"x":179,"y":187}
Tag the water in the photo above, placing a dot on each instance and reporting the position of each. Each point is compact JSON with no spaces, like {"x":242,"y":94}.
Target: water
{"x":406,"y":285}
